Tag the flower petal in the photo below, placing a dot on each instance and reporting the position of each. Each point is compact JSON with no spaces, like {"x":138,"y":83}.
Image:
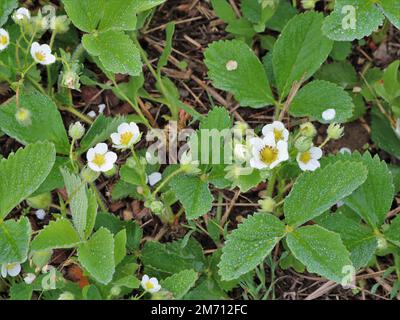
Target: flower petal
{"x":316,"y":153}
{"x":101,"y":148}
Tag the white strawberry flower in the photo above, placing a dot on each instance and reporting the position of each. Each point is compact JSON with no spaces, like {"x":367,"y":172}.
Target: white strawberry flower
{"x":42,"y":53}
{"x":308,"y":160}
{"x":4,"y":39}
{"x":329,"y":114}
{"x":267,"y":153}
{"x":100,"y":159}
{"x":278,"y":129}
{"x":11,"y":269}
{"x":21,"y":14}
{"x":154,"y":178}
{"x":128,"y":134}
{"x":29,"y":278}
{"x":150,"y":284}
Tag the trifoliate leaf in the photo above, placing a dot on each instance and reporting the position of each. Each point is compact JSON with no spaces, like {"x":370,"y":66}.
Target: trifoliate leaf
{"x":23,"y":172}
{"x":180,"y":283}
{"x":234,"y":67}
{"x":321,"y":251}
{"x":43,"y":122}
{"x":116,"y":51}
{"x":78,"y":200}
{"x":383,"y":134}
{"x":352,"y":19}
{"x":299,"y":51}
{"x":6,"y":7}
{"x":317,"y":96}
{"x":97,"y":256}
{"x":248,"y":245}
{"x":14,"y":240}
{"x":315,"y":192}
{"x":359,"y":239}
{"x":58,"y":234}
{"x":194,"y":195}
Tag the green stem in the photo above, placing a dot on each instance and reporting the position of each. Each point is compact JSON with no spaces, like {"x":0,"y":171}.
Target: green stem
{"x":271,"y":185}
{"x":76,"y":113}
{"x":166,"y":180}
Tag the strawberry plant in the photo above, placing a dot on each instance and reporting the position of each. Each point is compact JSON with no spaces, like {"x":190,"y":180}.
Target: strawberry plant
{"x":141,"y":158}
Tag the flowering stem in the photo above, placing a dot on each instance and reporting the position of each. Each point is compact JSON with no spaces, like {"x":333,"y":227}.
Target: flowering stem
{"x":271,"y":185}
{"x":166,"y":180}
{"x":76,"y":113}
{"x":98,"y":197}
{"x":71,"y":154}
{"x":325,"y":142}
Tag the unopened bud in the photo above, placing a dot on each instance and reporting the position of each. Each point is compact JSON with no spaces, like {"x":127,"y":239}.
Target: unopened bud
{"x":60,"y":24}
{"x":303,"y":144}
{"x":335,"y":131}
{"x":70,"y":80}
{"x":308,"y":130}
{"x":111,"y":173}
{"x":267,"y":204}
{"x":89,"y":175}
{"x":76,"y":130}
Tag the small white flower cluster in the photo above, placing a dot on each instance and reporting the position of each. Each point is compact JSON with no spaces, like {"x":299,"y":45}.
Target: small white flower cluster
{"x":272,"y":149}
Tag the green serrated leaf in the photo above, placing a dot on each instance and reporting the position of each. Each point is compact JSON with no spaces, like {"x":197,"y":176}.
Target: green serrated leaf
{"x":248,"y":246}
{"x":78,"y":200}
{"x":91,"y":213}
{"x":120,"y":246}
{"x":97,"y":256}
{"x":352,"y":19}
{"x":59,"y":234}
{"x":84,"y":14}
{"x":373,"y":199}
{"x":359,"y":239}
{"x":315,"y":192}
{"x":171,"y":258}
{"x":317,"y":96}
{"x":299,"y":51}
{"x":194,"y":194}
{"x":100,"y":131}
{"x":14,"y":240}
{"x":341,"y":73}
{"x":116,"y":51}
{"x":391,"y":9}
{"x":21,"y":291}
{"x":180,"y":283}
{"x":248,"y":82}
{"x":383,"y":134}
{"x":23,"y":172}
{"x":6,"y":7}
{"x":45,"y":121}
{"x":321,"y":251}
{"x":393,"y":232}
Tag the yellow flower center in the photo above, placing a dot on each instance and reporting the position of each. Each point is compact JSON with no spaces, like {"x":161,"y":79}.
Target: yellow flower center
{"x":126,"y":138}
{"x":3,"y":40}
{"x":11,"y":266}
{"x":40,"y":56}
{"x":268,"y":155}
{"x":99,"y":159}
{"x":305,"y":157}
{"x":149,"y":285}
{"x":278,"y":135}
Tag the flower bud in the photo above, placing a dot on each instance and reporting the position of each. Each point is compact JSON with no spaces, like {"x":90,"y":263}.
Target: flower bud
{"x":70,"y":80}
{"x":240,"y":128}
{"x":115,"y":291}
{"x":308,"y":4}
{"x":110,"y":173}
{"x":66,"y":295}
{"x":303,"y":144}
{"x":267,"y":204}
{"x":308,"y":130}
{"x":156,"y":206}
{"x":60,"y":24}
{"x":335,"y":131}
{"x":41,"y":201}
{"x":76,"y":130}
{"x":23,"y":117}
{"x":89,"y":175}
